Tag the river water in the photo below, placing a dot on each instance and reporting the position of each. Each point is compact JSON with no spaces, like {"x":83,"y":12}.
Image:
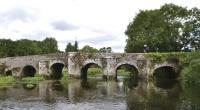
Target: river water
{"x":98,"y":94}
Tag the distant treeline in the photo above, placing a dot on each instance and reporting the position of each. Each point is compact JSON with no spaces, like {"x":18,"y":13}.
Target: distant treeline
{"x":9,"y":48}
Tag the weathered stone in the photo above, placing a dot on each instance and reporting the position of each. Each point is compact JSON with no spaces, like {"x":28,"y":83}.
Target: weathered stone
{"x":109,"y":62}
{"x":77,"y":63}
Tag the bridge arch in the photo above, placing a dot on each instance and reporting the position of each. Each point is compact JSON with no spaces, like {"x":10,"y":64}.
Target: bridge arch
{"x":8,"y":73}
{"x":86,"y":66}
{"x":29,"y":71}
{"x":131,"y":66}
{"x":56,"y":70}
{"x":165,"y":71}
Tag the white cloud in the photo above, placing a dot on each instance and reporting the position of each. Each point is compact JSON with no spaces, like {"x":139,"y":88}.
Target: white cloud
{"x":95,"y":22}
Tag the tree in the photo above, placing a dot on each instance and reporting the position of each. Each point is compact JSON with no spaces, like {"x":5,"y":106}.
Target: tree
{"x":76,"y":45}
{"x":166,"y":29}
{"x":7,"y":48}
{"x":105,"y":50}
{"x":71,"y":48}
{"x":49,"y":45}
{"x":26,"y":47}
{"x":88,"y":49}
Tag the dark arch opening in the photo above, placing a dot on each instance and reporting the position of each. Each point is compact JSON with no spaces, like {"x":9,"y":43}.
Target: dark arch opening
{"x":28,"y":71}
{"x":91,"y":69}
{"x":127,"y":70}
{"x":165,"y":72}
{"x":56,"y":70}
{"x":8,"y":73}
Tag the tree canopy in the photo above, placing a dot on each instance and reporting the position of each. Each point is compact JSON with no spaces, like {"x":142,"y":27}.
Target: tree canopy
{"x":9,"y":48}
{"x":71,"y":48}
{"x":105,"y":50}
{"x":170,"y":28}
{"x":89,"y":49}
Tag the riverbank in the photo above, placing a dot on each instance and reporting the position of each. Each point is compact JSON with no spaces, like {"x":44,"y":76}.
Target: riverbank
{"x":10,"y":80}
{"x":190,"y":62}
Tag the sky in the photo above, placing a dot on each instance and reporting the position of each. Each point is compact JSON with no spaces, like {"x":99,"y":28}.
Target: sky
{"x":98,"y":23}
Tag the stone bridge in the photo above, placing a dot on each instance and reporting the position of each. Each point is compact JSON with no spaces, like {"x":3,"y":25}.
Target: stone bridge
{"x":51,"y":65}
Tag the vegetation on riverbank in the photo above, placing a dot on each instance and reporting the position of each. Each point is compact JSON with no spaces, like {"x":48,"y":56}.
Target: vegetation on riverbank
{"x":190,"y":75}
{"x":7,"y":80}
{"x":190,"y":61}
{"x":94,"y":72}
{"x":64,"y":74}
{"x":35,"y":79}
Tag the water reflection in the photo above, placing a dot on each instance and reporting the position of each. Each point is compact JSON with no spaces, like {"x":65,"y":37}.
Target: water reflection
{"x":29,"y":86}
{"x":165,"y":83}
{"x":123,"y":94}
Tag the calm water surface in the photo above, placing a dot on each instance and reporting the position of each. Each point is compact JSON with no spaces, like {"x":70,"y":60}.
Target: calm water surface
{"x":96,"y":94}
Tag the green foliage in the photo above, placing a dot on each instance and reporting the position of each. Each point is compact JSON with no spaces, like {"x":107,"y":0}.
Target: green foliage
{"x":34,"y":79}
{"x":190,"y":75}
{"x":65,"y":74}
{"x":125,"y":72}
{"x":94,"y":71}
{"x":170,"y":28}
{"x":161,"y":57}
{"x":7,"y":80}
{"x":122,"y":72}
{"x":26,"y":47}
{"x":88,"y":49}
{"x":71,"y":48}
{"x":9,"y":48}
{"x":49,"y":45}
{"x":105,"y":50}
{"x":76,"y":46}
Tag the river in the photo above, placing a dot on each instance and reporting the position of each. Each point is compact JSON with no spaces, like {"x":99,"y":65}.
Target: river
{"x":98,"y":94}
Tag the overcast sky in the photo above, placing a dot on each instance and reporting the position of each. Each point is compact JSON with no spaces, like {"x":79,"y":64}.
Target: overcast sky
{"x":97,"y":23}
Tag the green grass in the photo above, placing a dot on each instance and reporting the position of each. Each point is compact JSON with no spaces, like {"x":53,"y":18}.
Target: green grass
{"x":35,"y":79}
{"x":122,"y":72}
{"x":7,"y":80}
{"x":94,"y":72}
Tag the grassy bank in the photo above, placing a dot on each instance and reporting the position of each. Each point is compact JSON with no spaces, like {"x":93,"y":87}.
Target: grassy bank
{"x":37,"y":78}
{"x":7,"y":81}
{"x":98,"y":72}
{"x":94,"y":72}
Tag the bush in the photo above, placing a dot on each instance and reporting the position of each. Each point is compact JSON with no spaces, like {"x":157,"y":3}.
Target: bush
{"x":191,"y":75}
